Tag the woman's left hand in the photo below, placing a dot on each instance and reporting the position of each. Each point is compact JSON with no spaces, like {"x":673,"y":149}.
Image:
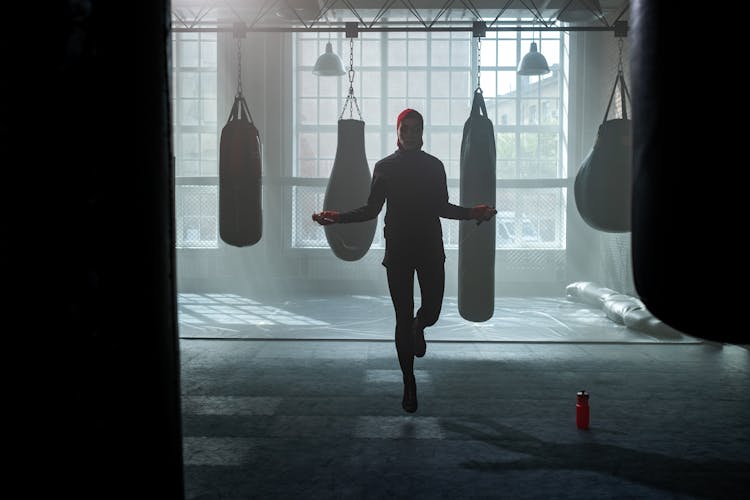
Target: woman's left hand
{"x":482,"y":212}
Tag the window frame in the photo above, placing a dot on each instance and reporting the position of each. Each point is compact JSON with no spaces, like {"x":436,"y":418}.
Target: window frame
{"x":385,"y":125}
{"x":201,"y":186}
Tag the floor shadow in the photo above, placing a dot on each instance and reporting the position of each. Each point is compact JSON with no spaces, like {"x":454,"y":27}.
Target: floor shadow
{"x":708,"y":479}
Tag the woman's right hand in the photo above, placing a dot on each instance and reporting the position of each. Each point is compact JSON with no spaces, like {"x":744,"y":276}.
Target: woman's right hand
{"x":326,"y":217}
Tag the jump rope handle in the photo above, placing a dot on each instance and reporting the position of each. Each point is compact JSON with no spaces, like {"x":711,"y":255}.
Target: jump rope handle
{"x":486,"y":218}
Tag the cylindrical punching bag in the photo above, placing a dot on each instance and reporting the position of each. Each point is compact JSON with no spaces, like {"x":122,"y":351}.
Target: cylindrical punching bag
{"x":476,"y":249}
{"x":348,"y":188}
{"x":687,"y":264}
{"x":240,"y":190}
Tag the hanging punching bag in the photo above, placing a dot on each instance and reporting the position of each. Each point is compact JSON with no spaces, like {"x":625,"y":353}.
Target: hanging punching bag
{"x":603,"y":184}
{"x":240,"y":207}
{"x":687,"y":194}
{"x":348,"y":188}
{"x":476,"y":250}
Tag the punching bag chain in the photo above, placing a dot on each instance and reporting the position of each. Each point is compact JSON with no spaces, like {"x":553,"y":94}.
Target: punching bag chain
{"x":239,"y":68}
{"x":479,"y":62}
{"x":350,"y":98}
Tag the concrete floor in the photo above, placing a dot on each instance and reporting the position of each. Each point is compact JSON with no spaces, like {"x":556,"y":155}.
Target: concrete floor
{"x":282,"y":417}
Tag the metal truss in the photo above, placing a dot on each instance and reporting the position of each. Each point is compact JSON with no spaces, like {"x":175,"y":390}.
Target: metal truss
{"x":353,"y":16}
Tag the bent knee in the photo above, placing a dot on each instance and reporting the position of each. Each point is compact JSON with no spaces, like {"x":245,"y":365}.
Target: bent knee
{"x":428,"y":319}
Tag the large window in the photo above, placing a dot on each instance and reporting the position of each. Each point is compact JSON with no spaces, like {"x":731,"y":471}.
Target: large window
{"x":194,"y":77}
{"x":436,"y":73}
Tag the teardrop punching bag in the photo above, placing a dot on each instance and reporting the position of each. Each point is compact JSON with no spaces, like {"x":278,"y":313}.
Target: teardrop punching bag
{"x":476,"y":249}
{"x":603,"y":184}
{"x":240,"y":203}
{"x":348,"y":188}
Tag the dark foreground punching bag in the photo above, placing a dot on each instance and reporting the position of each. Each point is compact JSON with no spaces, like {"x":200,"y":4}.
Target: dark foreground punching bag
{"x":684,"y":181}
{"x":476,"y":249}
{"x":603,"y":185}
{"x":240,"y":200}
{"x":348,"y":188}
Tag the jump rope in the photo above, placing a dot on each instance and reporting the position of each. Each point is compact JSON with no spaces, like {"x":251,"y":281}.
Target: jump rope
{"x":317,"y":218}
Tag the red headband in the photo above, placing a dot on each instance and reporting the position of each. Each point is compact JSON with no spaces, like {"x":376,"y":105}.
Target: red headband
{"x":408,"y":113}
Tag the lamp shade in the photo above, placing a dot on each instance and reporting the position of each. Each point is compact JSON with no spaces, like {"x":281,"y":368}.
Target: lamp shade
{"x":533,"y":63}
{"x":328,"y":64}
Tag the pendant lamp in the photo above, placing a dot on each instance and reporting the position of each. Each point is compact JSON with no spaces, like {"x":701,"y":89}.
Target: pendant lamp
{"x":328,"y":64}
{"x":533,"y":63}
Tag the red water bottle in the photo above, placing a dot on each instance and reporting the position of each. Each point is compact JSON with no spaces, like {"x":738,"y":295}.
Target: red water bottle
{"x":582,"y":410}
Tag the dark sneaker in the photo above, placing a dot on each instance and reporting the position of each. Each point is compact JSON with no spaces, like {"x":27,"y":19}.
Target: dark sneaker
{"x":409,"y":403}
{"x":420,"y":346}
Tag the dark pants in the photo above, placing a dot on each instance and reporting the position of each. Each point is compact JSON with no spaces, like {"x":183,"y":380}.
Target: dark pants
{"x":431,"y":277}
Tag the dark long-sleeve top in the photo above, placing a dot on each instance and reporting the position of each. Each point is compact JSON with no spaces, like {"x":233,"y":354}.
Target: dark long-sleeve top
{"x":414,"y":185}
